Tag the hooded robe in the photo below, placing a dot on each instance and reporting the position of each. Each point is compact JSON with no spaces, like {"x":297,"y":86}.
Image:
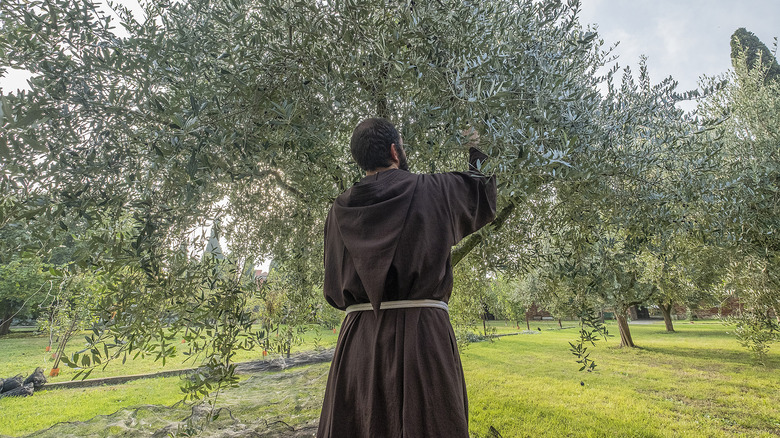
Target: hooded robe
{"x":397,"y":372}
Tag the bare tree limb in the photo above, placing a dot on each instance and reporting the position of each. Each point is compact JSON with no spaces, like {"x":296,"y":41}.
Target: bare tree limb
{"x":281,"y":182}
{"x":472,"y":241}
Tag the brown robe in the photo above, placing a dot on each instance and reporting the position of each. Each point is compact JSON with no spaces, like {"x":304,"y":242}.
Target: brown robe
{"x":397,"y":373}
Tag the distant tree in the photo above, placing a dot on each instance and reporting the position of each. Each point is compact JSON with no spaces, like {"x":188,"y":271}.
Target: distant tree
{"x":69,"y":310}
{"x":560,"y":301}
{"x":684,"y":271}
{"x":23,"y":286}
{"x":518,"y":297}
{"x":742,"y":40}
{"x":616,"y":272}
{"x":472,"y":297}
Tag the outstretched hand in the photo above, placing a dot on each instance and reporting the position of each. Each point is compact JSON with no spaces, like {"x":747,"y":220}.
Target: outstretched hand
{"x":472,"y":137}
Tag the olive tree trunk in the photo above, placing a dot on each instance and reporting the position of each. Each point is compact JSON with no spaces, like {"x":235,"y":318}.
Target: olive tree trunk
{"x":776,"y":308}
{"x":5,"y":326}
{"x":666,"y":309}
{"x":625,"y":332}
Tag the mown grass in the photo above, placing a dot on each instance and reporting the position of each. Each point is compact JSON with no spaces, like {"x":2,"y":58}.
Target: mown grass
{"x":48,"y":407}
{"x":697,"y":382}
{"x":23,"y":352}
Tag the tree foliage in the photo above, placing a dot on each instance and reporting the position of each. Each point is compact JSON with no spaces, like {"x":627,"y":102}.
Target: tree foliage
{"x":744,"y":208}
{"x":240,"y":107}
{"x":69,"y":309}
{"x":242,"y":110}
{"x":745,"y":42}
{"x":24,"y":285}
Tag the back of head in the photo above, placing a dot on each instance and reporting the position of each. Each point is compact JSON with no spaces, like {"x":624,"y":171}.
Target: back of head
{"x":370,"y":144}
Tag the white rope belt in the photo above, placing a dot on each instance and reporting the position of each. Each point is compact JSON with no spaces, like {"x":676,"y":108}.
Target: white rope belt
{"x":400,"y":304}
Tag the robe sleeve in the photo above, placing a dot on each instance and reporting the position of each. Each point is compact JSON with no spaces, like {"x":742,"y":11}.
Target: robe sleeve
{"x":471,"y":198}
{"x":333,"y":258}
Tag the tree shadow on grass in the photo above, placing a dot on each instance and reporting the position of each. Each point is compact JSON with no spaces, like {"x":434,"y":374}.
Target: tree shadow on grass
{"x":716,"y":356}
{"x":21,"y":334}
{"x":689,"y":333}
{"x":686,"y":335}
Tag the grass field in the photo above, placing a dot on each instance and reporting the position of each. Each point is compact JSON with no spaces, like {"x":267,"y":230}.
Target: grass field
{"x":46,"y":408}
{"x":23,"y":352}
{"x":697,"y":382}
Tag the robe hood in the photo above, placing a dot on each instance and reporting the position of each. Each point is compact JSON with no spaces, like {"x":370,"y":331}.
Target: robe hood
{"x":370,"y":218}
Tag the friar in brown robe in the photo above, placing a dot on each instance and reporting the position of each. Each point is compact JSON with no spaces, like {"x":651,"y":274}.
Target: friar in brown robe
{"x":396,"y":372}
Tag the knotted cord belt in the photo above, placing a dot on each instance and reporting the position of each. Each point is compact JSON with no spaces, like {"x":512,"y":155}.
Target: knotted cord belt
{"x":400,"y":304}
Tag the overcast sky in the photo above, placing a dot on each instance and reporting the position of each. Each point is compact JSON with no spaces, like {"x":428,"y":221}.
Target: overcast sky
{"x":682,"y":38}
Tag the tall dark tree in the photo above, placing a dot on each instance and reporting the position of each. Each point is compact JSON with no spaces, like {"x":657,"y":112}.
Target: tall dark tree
{"x":742,"y":40}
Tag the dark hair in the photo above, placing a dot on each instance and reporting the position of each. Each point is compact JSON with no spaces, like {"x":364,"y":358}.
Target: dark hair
{"x":370,"y":144}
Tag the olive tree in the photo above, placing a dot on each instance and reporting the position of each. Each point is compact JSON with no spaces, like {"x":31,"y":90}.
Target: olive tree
{"x":744,"y":206}
{"x":242,"y":110}
{"x":24,"y":285}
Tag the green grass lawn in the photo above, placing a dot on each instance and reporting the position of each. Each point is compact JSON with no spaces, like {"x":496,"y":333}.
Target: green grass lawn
{"x":23,"y":352}
{"x":25,"y":415}
{"x":697,"y":382}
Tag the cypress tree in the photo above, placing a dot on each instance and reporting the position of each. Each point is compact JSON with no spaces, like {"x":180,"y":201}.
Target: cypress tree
{"x":743,"y":39}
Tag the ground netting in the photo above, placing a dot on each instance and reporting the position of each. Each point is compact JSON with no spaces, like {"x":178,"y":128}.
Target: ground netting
{"x":267,"y":404}
{"x":283,"y":363}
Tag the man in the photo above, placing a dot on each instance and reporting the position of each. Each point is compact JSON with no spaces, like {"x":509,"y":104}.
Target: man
{"x":396,"y":371}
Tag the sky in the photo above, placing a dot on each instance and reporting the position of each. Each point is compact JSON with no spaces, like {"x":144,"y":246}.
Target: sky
{"x":684,"y":39}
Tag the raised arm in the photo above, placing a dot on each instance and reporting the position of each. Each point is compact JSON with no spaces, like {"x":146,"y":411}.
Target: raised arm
{"x":471,"y":195}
